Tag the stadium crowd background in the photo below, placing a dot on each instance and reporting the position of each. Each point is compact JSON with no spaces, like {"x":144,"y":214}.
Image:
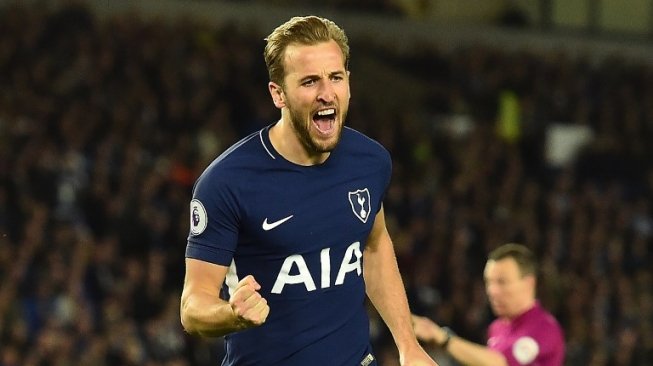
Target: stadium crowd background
{"x":105,"y":125}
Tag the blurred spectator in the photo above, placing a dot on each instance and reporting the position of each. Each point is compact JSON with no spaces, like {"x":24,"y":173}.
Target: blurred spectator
{"x":523,"y":332}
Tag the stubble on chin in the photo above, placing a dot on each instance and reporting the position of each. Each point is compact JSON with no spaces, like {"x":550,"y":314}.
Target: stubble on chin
{"x":310,"y":143}
{"x":302,"y":127}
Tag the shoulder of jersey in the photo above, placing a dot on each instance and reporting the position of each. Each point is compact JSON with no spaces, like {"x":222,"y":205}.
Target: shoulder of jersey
{"x":355,"y":139}
{"x":235,"y":153}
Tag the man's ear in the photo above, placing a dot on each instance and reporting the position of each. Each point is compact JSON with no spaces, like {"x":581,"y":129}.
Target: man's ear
{"x":278,"y":97}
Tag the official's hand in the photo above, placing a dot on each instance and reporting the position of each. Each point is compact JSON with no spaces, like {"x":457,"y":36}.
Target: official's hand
{"x":249,"y":307}
{"x":427,"y":330}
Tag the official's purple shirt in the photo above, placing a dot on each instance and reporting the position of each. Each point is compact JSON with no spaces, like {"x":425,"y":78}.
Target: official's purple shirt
{"x":534,"y":338}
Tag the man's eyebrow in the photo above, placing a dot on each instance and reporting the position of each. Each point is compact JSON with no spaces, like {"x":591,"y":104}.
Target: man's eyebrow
{"x":309,"y":77}
{"x":317,"y":76}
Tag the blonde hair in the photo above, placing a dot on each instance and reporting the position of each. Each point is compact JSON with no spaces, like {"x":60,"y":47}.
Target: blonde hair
{"x":308,"y":30}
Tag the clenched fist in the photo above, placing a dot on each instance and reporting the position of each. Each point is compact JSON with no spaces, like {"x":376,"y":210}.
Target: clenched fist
{"x":249,"y":307}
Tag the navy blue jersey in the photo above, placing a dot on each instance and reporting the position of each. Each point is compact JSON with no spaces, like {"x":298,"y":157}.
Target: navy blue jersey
{"x":300,"y":231}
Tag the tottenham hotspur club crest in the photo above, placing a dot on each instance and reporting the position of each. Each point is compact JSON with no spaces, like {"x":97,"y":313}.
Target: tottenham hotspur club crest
{"x":360,"y":203}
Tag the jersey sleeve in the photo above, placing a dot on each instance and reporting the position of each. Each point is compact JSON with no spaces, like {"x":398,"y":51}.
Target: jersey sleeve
{"x":550,"y":339}
{"x":542,"y":347}
{"x":214,"y":217}
{"x":524,"y":351}
{"x":386,"y":175}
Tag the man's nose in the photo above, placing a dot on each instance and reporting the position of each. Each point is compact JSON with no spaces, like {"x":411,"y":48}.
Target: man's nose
{"x":326,"y":92}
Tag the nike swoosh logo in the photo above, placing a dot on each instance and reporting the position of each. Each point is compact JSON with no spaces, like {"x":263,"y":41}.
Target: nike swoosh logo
{"x":271,"y":225}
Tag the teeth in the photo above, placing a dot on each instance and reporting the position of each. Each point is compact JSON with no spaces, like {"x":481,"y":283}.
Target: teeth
{"x":326,"y":112}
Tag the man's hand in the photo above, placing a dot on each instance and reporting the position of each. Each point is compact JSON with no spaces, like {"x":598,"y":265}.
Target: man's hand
{"x":248,"y":306}
{"x":416,"y":357}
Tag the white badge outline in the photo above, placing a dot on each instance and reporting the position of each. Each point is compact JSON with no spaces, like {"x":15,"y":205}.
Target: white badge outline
{"x":525,"y":350}
{"x":197,"y":229}
{"x":363,"y":215}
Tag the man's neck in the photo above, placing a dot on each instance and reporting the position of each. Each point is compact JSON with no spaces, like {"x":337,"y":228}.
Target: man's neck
{"x":528,"y":305}
{"x":285,"y":141}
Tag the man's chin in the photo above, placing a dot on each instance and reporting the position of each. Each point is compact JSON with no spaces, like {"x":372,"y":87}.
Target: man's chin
{"x":317,"y":149}
{"x":322,"y":145}
{"x":498,"y":310}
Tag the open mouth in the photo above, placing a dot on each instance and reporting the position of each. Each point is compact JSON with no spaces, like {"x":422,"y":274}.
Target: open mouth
{"x":325,"y":120}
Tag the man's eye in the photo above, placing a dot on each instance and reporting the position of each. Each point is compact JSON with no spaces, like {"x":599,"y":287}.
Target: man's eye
{"x":308,"y":82}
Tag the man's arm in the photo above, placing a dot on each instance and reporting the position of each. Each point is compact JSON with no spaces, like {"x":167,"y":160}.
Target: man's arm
{"x":202,"y":310}
{"x":465,"y":352}
{"x":385,"y":289}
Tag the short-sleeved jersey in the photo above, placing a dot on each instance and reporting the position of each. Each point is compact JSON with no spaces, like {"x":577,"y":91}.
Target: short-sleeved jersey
{"x":534,"y":338}
{"x":300,"y":231}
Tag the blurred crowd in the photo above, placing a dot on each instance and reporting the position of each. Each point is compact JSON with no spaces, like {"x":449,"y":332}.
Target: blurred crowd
{"x":388,"y":7}
{"x":104,"y":125}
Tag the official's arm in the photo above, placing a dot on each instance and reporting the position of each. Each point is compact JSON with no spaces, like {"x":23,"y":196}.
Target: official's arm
{"x":464,"y":351}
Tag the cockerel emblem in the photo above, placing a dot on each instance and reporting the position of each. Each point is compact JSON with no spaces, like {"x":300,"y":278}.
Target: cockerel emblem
{"x":360,"y":203}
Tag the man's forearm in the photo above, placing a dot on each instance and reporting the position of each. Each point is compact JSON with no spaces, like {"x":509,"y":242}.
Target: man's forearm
{"x":207,"y":316}
{"x":386,"y":291}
